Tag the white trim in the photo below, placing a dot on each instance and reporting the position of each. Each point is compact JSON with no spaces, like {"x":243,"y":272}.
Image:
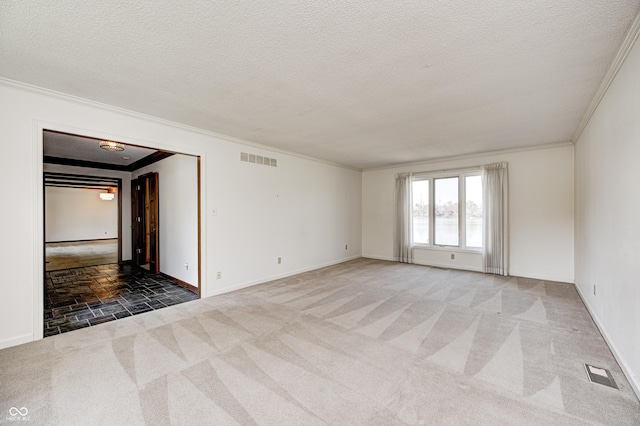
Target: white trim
{"x":373,"y":256}
{"x":546,"y":278}
{"x":461,"y":174}
{"x":64,"y":96}
{"x":631,"y":378}
{"x":470,"y":156}
{"x":203,"y":225}
{"x":449,"y":266}
{"x":433,"y":264}
{"x":38,"y":231}
{"x":621,"y":56}
{"x":15,"y":341}
{"x":246,"y":284}
{"x":453,"y":249}
{"x":438,"y":174}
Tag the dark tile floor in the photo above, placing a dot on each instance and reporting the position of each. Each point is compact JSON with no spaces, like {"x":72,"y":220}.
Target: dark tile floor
{"x":82,"y":297}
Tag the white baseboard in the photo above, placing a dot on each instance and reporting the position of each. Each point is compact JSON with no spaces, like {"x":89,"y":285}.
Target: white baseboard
{"x":15,"y":341}
{"x":631,"y":378}
{"x":449,"y":266}
{"x":279,"y":276}
{"x":371,"y":256}
{"x":542,"y":277}
{"x":433,"y":264}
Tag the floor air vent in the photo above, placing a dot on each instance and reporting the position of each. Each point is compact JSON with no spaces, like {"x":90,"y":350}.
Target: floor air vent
{"x":600,"y":376}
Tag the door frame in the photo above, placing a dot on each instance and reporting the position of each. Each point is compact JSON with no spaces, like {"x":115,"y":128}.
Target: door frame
{"x":37,"y":188}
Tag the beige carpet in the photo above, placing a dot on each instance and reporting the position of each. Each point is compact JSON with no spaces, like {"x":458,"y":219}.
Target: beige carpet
{"x":79,"y":254}
{"x":365,"y":342}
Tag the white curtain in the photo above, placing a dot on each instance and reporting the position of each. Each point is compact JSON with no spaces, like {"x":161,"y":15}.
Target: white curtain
{"x":495,"y":199}
{"x":402,"y":244}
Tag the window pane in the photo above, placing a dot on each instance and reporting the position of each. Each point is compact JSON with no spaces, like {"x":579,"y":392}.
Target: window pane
{"x":446,"y":200}
{"x":473,"y":186}
{"x":420,"y":197}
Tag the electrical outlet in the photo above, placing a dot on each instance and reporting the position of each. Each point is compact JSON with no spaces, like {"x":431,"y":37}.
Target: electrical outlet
{"x":346,"y":247}
{"x":594,"y":289}
{"x":219,"y":275}
{"x":279,"y":260}
{"x":186,"y":266}
{"x":453,"y":256}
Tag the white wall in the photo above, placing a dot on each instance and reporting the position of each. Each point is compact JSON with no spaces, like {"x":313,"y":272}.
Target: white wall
{"x":125,"y":195}
{"x":74,"y":214}
{"x":608,"y":216}
{"x":303,"y":210}
{"x":540,"y":203}
{"x":178,"y":215}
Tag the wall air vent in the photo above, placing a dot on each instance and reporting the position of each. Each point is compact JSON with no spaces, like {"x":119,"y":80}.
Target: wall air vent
{"x":258,"y":159}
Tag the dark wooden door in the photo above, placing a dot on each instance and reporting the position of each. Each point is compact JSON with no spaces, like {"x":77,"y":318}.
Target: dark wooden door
{"x":152,"y":215}
{"x":145,"y":222}
{"x":137,"y":222}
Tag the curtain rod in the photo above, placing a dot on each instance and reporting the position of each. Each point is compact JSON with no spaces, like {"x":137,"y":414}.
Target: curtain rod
{"x":462,"y":169}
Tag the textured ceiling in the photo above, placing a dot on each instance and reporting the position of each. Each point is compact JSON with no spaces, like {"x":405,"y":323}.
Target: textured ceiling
{"x":72,"y":147}
{"x":360,"y":83}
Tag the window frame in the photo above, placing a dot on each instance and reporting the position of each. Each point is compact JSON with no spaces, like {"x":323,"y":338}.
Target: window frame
{"x":463,"y":221}
{"x":429,"y":225}
{"x":462,"y":208}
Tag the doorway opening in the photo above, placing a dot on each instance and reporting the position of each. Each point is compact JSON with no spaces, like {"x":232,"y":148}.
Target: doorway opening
{"x":83,"y":219}
{"x":157,"y":238}
{"x":144,"y":222}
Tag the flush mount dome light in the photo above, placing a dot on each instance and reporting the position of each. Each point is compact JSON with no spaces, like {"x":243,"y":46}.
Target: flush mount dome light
{"x":106,"y":196}
{"x":111,"y":146}
{"x":109,"y":195}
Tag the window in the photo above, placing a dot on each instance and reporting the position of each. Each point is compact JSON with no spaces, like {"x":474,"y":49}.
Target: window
{"x":446,"y":223}
{"x":420,"y":201}
{"x":447,"y":209}
{"x":473,"y":206}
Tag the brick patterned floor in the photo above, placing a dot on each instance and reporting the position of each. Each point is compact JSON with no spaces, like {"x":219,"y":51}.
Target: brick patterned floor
{"x":82,"y":297}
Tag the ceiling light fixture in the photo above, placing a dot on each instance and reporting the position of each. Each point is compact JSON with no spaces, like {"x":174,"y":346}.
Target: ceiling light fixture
{"x":108,"y":196}
{"x":111,"y":146}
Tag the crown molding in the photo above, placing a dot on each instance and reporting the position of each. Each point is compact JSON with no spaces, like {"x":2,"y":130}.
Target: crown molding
{"x":623,"y":52}
{"x":67,"y":97}
{"x":473,"y":155}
